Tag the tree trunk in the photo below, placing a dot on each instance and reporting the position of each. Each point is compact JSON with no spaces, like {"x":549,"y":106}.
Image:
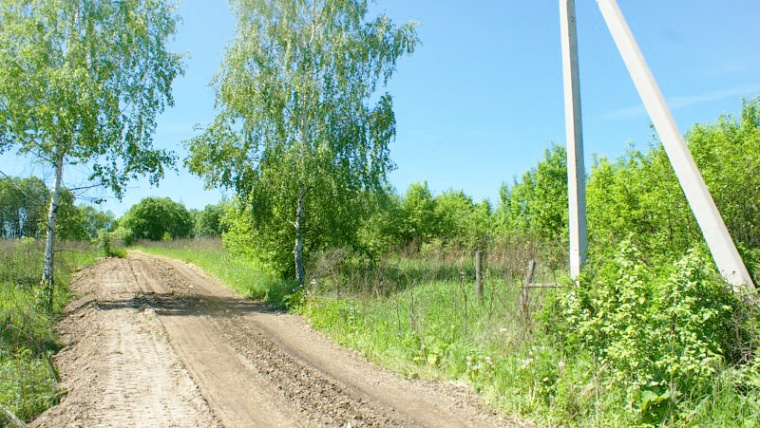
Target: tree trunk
{"x":47,"y":266}
{"x":298,"y":250}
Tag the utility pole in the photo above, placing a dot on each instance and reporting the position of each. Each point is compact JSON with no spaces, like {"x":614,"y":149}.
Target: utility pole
{"x":576,"y":172}
{"x":724,"y":252}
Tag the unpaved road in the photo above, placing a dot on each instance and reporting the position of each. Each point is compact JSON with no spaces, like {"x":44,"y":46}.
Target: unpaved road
{"x":153,"y":342}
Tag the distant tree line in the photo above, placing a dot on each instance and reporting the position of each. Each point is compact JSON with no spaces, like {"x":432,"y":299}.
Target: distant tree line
{"x":635,"y":196}
{"x":24,"y":205}
{"x":156,"y":219}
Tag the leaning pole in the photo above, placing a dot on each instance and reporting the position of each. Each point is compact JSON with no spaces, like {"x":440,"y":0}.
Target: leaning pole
{"x":724,"y":252}
{"x":576,"y":172}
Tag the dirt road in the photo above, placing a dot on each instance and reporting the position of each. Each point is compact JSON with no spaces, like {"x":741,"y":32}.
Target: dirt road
{"x":153,"y":342}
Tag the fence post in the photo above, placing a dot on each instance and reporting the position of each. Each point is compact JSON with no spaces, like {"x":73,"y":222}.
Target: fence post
{"x":479,"y":274}
{"x":525,"y":306}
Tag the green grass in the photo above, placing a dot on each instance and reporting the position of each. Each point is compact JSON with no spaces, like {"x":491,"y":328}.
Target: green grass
{"x":429,"y":330}
{"x":27,"y":338}
{"x":245,"y":277}
{"x":419,"y":316}
{"x":439,"y":330}
{"x":434,"y":327}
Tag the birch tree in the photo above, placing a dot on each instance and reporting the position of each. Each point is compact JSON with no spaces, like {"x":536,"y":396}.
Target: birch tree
{"x":302,"y":129}
{"x":81,"y":82}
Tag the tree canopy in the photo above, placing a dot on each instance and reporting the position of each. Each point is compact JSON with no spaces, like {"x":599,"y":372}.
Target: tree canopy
{"x":209,"y":221}
{"x":157,"y":218}
{"x":81,"y":82}
{"x":84,"y":81}
{"x":302,"y":132}
{"x":22,"y":206}
{"x":23,"y":203}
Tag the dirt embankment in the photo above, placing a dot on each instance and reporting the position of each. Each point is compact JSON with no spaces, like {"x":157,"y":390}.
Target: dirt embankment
{"x":153,"y":342}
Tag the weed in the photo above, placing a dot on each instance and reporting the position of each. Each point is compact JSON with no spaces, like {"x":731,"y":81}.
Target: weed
{"x":632,"y":346}
{"x":28,"y":380}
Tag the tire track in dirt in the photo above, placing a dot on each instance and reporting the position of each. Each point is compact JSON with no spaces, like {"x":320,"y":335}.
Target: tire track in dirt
{"x":112,"y":340}
{"x":233,"y":362}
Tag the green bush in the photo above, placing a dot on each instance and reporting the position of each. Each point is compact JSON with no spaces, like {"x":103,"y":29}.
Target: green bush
{"x":660,"y":335}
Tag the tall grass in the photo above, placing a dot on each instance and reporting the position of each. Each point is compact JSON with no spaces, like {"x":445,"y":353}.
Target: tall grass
{"x":28,"y":381}
{"x":419,"y":316}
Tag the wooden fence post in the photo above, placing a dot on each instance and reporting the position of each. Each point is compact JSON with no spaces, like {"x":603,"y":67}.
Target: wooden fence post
{"x":479,"y":274}
{"x":526,"y":286}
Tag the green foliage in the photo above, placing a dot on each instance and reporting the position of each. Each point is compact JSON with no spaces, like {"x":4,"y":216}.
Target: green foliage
{"x":26,"y":386}
{"x":537,"y":204}
{"x":23,"y":210}
{"x":155,"y":219}
{"x":639,"y":196}
{"x":94,"y":220}
{"x":735,"y":401}
{"x":727,"y":154}
{"x":104,"y":242}
{"x":296,"y":136}
{"x":23,"y":206}
{"x":71,"y":225}
{"x":209,"y":222}
{"x":248,"y":237}
{"x":660,"y":335}
{"x":421,"y":220}
{"x":71,"y":91}
{"x":27,"y":338}
{"x":463,"y":223}
{"x":384,"y":229}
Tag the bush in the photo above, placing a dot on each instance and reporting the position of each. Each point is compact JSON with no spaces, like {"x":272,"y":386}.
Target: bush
{"x":104,"y":242}
{"x":659,"y":335}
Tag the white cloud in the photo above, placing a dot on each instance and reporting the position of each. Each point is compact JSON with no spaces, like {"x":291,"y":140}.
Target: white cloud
{"x":687,"y":101}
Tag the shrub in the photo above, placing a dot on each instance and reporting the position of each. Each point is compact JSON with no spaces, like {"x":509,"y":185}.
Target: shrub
{"x":660,"y":335}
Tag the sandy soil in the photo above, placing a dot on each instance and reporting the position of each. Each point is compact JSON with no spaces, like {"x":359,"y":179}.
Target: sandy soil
{"x":153,"y":342}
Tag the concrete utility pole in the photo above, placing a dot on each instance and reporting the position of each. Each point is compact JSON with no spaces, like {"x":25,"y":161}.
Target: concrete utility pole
{"x":576,"y":172}
{"x":711,"y":223}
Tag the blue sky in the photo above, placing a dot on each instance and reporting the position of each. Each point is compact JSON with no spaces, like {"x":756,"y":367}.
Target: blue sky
{"x":482,"y":98}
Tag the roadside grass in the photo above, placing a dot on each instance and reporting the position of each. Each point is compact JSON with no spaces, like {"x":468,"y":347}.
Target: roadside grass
{"x":245,"y":277}
{"x":439,"y":330}
{"x":436,"y":330}
{"x":28,"y":380}
{"x":418,"y":315}
{"x":424,"y":322}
